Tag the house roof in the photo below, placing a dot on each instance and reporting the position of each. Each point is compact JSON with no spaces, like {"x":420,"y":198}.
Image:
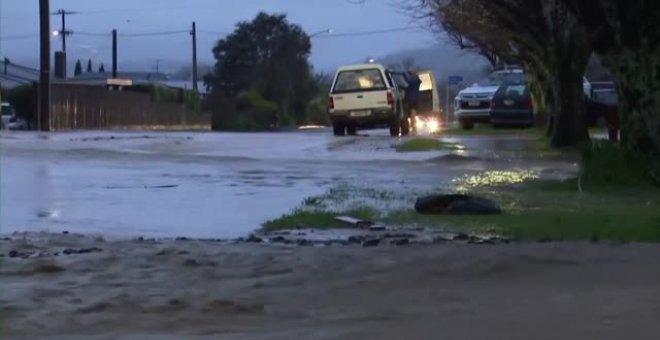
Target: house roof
{"x":13,"y":75}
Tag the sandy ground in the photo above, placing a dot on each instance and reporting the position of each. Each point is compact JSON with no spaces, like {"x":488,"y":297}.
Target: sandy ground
{"x":210,"y":290}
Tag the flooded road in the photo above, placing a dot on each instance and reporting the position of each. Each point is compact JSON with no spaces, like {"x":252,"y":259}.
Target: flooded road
{"x":212,"y":185}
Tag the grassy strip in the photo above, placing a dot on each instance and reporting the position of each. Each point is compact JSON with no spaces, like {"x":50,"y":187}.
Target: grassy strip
{"x":534,"y":211}
{"x":321,"y":219}
{"x":620,"y":225}
{"x":488,"y":130}
{"x":426,"y":144}
{"x":545,"y":210}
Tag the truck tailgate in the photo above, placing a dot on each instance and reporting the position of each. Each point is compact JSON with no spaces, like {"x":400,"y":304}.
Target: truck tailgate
{"x":361,"y":100}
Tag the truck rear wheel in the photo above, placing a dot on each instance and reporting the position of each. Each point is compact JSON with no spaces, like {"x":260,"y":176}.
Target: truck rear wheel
{"x":351,"y":130}
{"x":339,"y":129}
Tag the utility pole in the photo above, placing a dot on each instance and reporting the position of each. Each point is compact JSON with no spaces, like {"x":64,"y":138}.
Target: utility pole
{"x":114,"y":53}
{"x":43,"y":122}
{"x":194,"y":66}
{"x":63,"y":33}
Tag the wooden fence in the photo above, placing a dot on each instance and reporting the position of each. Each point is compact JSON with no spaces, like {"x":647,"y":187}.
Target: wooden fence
{"x":96,"y":107}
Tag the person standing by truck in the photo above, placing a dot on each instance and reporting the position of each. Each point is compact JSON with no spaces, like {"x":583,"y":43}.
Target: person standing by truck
{"x":411,"y":100}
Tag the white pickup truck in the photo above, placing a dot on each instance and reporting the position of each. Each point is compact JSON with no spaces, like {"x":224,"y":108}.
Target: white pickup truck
{"x":366,"y":96}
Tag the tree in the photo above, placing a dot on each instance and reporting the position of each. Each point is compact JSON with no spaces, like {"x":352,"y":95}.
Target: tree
{"x":267,"y":55}
{"x":89,"y":66}
{"x":78,"y":69}
{"x":317,"y":108}
{"x":625,"y":33}
{"x":102,"y":68}
{"x":543,"y":36}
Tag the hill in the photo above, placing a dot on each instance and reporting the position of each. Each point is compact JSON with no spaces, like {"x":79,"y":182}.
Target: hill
{"x":445,"y":60}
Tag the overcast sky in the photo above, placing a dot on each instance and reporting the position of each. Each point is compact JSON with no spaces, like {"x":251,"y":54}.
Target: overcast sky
{"x":19,"y":27}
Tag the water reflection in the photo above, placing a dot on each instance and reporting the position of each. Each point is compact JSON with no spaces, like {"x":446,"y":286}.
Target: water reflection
{"x":492,"y":178}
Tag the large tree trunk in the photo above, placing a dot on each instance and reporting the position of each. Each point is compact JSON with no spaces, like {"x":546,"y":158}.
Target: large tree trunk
{"x":637,"y":76}
{"x":569,"y":126}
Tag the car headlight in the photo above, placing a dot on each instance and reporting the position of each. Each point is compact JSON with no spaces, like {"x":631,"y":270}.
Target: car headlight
{"x":419,"y":124}
{"x":434,"y":125}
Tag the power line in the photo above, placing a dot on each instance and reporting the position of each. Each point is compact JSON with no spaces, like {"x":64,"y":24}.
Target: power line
{"x":339,"y":35}
{"x":142,"y":9}
{"x":88,"y":34}
{"x":364,"y":33}
{"x":151,"y":34}
{"x":128,"y":35}
{"x":20,"y":36}
{"x":218,"y":33}
{"x":212,"y":32}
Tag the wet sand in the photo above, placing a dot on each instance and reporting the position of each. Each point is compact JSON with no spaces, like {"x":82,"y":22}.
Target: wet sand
{"x":211,"y":290}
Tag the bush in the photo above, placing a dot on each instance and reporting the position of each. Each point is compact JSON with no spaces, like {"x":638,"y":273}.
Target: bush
{"x":317,"y":111}
{"x":248,"y":112}
{"x":165,"y":94}
{"x":253,"y":107}
{"x":605,"y":164}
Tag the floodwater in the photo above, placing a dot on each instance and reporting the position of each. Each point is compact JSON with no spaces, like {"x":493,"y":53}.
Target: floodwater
{"x":210,"y":185}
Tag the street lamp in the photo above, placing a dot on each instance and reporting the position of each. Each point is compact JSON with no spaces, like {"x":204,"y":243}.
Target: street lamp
{"x":56,"y":33}
{"x":325,"y":31}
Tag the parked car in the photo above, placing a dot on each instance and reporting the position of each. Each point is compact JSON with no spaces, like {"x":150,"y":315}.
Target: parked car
{"x":472,"y":105}
{"x":10,"y":121}
{"x":366,"y":96}
{"x":603,"y":105}
{"x":512,"y":105}
{"x":7,"y":115}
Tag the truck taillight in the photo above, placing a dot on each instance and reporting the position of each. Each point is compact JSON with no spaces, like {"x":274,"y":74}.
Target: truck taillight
{"x":390,"y":98}
{"x":331,"y":103}
{"x":530,"y":103}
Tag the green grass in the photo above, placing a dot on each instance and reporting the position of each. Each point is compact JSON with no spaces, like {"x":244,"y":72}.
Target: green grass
{"x":550,"y":210}
{"x":614,"y":224}
{"x":487,"y":130}
{"x":607,"y":165}
{"x":425,"y":144}
{"x":305,"y":219}
{"x":534,"y":211}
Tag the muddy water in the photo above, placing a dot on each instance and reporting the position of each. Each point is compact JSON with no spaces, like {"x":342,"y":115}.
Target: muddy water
{"x":205,"y":290}
{"x":207,"y":185}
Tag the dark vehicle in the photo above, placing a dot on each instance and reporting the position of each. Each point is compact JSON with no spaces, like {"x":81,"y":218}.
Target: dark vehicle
{"x":603,"y":105}
{"x":512,"y":106}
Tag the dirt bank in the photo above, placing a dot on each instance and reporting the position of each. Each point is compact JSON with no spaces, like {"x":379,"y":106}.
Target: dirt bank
{"x":97,"y":289}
